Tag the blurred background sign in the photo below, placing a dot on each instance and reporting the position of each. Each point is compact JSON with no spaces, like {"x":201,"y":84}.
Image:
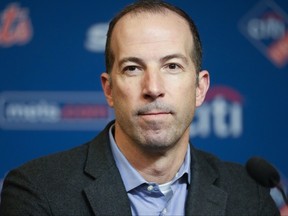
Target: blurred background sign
{"x":52,"y":55}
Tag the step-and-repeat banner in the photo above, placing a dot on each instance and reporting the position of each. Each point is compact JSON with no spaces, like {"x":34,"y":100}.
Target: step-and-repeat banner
{"x":51,"y":58}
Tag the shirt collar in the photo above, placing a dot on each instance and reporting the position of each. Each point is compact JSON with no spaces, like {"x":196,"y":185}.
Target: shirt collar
{"x":131,"y":176}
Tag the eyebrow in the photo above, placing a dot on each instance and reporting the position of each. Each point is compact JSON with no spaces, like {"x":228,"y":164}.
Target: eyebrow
{"x":177,"y":56}
{"x":131,"y":59}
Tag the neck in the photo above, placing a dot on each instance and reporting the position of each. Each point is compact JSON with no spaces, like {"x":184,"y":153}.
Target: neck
{"x":154,"y":166}
{"x":160,"y":170}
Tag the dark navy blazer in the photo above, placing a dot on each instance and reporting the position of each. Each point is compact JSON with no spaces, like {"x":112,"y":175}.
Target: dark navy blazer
{"x":86,"y":181}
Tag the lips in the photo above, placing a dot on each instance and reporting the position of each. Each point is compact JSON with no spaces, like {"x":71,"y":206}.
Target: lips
{"x":155,"y":116}
{"x":155,"y":113}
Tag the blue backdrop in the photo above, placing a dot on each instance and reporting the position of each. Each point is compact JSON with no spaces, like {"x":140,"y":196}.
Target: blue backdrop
{"x":51,"y":58}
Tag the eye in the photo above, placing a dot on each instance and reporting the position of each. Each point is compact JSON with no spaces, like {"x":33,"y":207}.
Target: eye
{"x":173,"y":68}
{"x":131,"y":70}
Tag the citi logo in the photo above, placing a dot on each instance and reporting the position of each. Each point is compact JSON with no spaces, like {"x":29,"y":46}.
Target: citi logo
{"x":221,"y":114}
{"x":266,"y":26}
{"x":15,"y":26}
{"x":269,"y":26}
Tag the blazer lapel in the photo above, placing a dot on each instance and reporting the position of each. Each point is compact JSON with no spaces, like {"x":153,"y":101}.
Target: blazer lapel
{"x":106,"y":194}
{"x":204,"y":197}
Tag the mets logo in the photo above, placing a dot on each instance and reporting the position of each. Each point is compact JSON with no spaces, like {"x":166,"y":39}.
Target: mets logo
{"x":221,"y":114}
{"x":15,"y":26}
{"x":266,"y":27}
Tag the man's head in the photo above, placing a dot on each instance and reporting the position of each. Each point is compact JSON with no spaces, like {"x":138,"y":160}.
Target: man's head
{"x":153,"y":83}
{"x":154,"y":6}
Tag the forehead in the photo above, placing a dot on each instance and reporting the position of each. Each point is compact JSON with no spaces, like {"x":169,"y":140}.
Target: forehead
{"x":149,"y":27}
{"x":163,"y":13}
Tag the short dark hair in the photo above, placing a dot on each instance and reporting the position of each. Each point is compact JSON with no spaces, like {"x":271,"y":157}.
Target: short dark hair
{"x":153,"y":6}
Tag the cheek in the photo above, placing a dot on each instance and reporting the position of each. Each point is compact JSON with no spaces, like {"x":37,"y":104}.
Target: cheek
{"x":123,"y":95}
{"x":123,"y":90}
{"x":183,"y":89}
{"x":185,"y":96}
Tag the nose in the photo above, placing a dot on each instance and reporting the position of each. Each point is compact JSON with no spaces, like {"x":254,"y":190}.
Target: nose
{"x":153,"y":85}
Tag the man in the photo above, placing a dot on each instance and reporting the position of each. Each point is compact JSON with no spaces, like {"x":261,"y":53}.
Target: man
{"x":142,"y":163}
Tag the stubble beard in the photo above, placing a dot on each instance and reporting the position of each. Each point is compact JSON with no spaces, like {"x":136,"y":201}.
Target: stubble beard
{"x":157,"y":141}
{"x":154,"y":136}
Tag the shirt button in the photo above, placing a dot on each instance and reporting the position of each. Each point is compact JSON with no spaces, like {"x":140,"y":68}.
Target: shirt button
{"x":150,"y":188}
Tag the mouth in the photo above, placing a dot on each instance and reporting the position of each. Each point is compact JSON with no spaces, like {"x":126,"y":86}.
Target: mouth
{"x":155,"y":113}
{"x":155,"y":110}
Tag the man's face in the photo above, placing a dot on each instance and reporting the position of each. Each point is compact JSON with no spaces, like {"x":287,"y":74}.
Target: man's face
{"x":153,"y":81}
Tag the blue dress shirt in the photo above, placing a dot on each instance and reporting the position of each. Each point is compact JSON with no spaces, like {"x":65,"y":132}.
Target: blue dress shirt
{"x":149,"y":198}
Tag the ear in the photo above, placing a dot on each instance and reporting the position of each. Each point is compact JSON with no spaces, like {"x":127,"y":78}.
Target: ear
{"x":107,"y":88}
{"x":203,"y":86}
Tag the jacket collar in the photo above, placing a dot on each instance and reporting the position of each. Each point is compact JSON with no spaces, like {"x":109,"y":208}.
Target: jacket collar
{"x":204,"y":197}
{"x":107,"y":194}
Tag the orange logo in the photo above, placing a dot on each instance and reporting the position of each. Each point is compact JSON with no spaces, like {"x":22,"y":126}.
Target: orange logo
{"x":15,"y":26}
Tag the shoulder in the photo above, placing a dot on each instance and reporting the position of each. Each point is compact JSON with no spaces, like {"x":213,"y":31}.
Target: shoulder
{"x":67,"y":162}
{"x":221,"y":167}
{"x":56,"y":162}
{"x":34,"y":185}
{"x":230,"y":176}
{"x":47,"y":173}
{"x":244,"y":194}
{"x":54,"y":181}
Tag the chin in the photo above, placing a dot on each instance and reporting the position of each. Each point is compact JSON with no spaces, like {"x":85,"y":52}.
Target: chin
{"x":157,"y":145}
